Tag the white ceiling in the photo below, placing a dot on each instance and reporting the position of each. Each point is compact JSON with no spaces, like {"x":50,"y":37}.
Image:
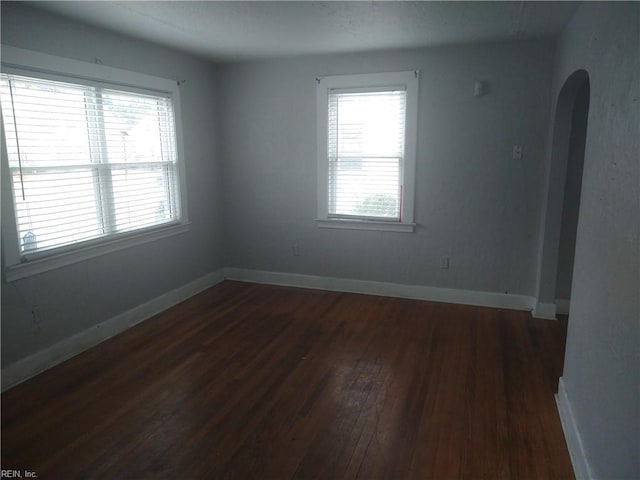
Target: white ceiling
{"x":239,"y":30}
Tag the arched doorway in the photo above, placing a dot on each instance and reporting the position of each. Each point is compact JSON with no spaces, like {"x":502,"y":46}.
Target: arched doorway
{"x":555,"y":262}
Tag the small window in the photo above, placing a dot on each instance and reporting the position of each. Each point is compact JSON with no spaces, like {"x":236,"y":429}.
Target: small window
{"x":367,"y":129}
{"x":88,"y":162}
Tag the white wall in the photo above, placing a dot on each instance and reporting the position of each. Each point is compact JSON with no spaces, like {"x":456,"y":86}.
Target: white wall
{"x":602,"y":362}
{"x":71,"y":299}
{"x":474,"y":203}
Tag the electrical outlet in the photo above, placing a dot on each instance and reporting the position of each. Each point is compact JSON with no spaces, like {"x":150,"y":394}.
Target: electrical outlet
{"x":35,"y":313}
{"x":444,"y":263}
{"x":517,"y":152}
{"x":295,"y":250}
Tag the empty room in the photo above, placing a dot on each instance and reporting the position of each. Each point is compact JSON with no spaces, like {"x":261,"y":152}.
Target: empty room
{"x":320,"y":240}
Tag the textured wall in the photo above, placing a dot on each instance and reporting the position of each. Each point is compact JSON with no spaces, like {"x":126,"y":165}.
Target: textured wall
{"x":74,"y":298}
{"x":474,"y":203}
{"x":602,"y":361}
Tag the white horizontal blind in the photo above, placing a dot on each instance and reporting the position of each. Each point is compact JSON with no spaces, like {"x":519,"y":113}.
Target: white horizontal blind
{"x":366,"y":142}
{"x":87,"y":162}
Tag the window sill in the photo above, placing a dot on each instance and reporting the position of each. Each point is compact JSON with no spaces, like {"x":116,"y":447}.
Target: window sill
{"x":381,"y":226}
{"x":57,"y":260}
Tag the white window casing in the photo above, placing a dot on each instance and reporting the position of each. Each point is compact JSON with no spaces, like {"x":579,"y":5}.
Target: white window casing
{"x":367,"y":135}
{"x":91,"y":161}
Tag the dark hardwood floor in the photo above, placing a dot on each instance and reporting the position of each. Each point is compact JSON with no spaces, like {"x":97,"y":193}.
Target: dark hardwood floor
{"x":260,"y":382}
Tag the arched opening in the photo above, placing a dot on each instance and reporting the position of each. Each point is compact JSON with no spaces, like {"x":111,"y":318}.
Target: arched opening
{"x":571,"y":202}
{"x":555,"y":263}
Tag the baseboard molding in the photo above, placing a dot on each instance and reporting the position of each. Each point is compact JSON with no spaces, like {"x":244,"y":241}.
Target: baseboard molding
{"x":58,"y":353}
{"x":419,"y":292}
{"x":544,"y":310}
{"x":581,"y":467}
{"x":562,"y":306}
{"x":38,"y":362}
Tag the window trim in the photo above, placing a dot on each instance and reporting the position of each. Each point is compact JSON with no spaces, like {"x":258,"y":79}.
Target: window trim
{"x":41,"y":65}
{"x":369,"y":82}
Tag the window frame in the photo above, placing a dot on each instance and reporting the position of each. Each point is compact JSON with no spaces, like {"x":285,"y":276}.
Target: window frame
{"x":39,"y":65}
{"x":369,"y":82}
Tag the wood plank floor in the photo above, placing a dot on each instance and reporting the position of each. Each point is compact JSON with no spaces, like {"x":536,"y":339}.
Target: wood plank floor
{"x":260,"y":382}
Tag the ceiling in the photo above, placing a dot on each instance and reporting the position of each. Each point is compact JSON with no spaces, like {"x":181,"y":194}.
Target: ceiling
{"x":239,"y":30}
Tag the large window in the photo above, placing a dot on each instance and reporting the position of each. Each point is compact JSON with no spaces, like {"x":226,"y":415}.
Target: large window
{"x":367,"y":126}
{"x":88,"y":161}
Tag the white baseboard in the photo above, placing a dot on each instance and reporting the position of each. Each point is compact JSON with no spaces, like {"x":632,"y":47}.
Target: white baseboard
{"x":51,"y":356}
{"x":581,"y":467}
{"x":544,"y":310}
{"x":562,"y":306}
{"x":38,"y":362}
{"x":419,"y":292}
